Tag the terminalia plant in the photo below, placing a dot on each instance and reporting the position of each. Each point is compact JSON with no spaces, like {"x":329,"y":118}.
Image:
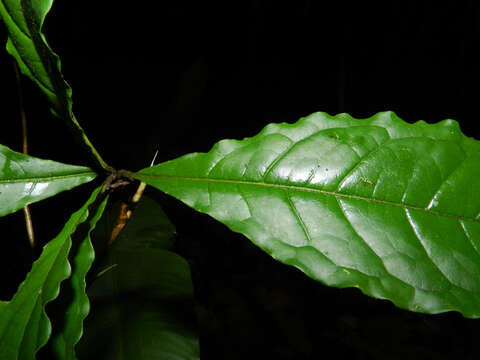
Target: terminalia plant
{"x":378,"y":204}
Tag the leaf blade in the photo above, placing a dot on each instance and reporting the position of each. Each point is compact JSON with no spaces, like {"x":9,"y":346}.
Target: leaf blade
{"x":73,"y":306}
{"x":331,"y":196}
{"x":36,"y":60}
{"x":24,"y":325}
{"x":25,"y":179}
{"x":143,"y":307}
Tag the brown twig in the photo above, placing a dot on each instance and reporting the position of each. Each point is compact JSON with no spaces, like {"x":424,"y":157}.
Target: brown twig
{"x":23,"y":117}
{"x":126,"y":209}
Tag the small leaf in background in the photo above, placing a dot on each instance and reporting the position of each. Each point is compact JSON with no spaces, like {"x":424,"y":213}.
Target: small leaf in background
{"x":149,"y":227}
{"x":24,"y":325}
{"x":25,"y":179}
{"x":143,"y":308}
{"x":379,"y":204}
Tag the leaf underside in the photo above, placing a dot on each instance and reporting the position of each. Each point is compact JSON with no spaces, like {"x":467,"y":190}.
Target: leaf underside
{"x":36,"y":60}
{"x":24,"y":20}
{"x":25,"y":179}
{"x":24,"y":325}
{"x":379,"y":204}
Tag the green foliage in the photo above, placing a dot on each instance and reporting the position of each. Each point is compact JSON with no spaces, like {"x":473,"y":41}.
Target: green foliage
{"x":24,"y":21}
{"x":24,"y":325}
{"x":25,"y":179}
{"x":73,"y":305}
{"x":148,"y":294}
{"x":378,"y":204}
{"x":27,"y":44}
{"x":148,"y":228}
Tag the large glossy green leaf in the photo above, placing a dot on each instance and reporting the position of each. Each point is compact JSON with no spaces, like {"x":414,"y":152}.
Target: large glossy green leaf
{"x":24,"y":324}
{"x":389,"y":207}
{"x":26,"y":43}
{"x":72,"y":306}
{"x":25,"y":179}
{"x":143,"y":307}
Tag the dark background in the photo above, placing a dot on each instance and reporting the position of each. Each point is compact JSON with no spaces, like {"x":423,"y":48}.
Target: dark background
{"x":178,"y":76}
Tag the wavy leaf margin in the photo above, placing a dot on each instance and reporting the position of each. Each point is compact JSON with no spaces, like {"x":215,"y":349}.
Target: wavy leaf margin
{"x":24,"y":324}
{"x":351,"y":202}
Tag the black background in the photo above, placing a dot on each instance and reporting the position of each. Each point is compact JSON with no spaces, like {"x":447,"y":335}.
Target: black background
{"x":178,"y":76}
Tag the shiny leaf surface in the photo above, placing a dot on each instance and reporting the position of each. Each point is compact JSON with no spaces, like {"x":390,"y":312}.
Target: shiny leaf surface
{"x":27,"y":44}
{"x":379,"y":204}
{"x":24,"y":324}
{"x":143,"y":307}
{"x":25,"y":179}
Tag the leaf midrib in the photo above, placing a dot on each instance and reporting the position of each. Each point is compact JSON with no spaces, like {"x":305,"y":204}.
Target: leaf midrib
{"x":306,"y":189}
{"x":46,"y":178}
{"x":26,"y":63}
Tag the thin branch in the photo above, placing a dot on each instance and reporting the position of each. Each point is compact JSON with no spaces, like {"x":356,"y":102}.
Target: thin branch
{"x":23,"y":117}
{"x":126,"y":209}
{"x":29,"y":225}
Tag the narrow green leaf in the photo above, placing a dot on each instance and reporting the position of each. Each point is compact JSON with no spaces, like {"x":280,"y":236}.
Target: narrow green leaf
{"x":143,"y":307}
{"x":25,"y":179}
{"x":27,"y":44}
{"x":389,"y":207}
{"x":24,"y":325}
{"x":72,"y":306}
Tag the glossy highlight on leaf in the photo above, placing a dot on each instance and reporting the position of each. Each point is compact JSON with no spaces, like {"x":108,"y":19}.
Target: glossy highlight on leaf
{"x":24,"y":325}
{"x":25,"y":179}
{"x":379,"y":204}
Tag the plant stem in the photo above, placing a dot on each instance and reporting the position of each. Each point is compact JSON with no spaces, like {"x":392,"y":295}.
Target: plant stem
{"x":78,"y":130}
{"x":126,"y":209}
{"x":29,"y":225}
{"x":26,"y":209}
